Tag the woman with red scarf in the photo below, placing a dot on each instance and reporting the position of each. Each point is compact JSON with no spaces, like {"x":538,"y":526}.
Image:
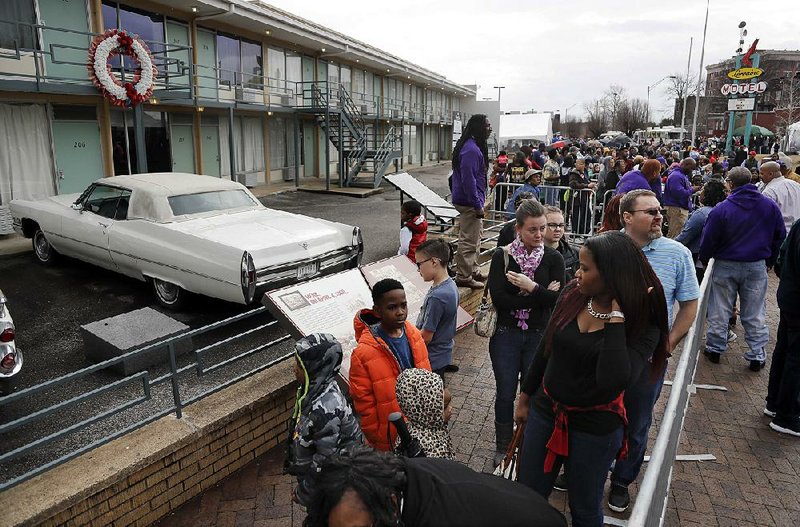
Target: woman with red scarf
{"x":609,"y":324}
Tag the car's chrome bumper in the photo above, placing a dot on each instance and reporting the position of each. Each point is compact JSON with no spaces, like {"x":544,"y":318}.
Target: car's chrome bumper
{"x":347,"y":260}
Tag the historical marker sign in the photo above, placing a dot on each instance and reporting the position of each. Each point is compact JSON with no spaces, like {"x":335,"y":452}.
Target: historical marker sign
{"x":401,"y":269}
{"x":324,"y":305}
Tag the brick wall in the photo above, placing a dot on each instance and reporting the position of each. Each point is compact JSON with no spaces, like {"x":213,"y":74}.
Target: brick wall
{"x":139,"y":478}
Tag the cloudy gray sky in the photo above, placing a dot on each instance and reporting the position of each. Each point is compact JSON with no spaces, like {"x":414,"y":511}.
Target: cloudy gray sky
{"x":550,"y":54}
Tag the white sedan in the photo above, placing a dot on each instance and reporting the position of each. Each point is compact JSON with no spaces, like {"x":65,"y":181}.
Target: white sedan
{"x":185,"y":232}
{"x":10,"y":355}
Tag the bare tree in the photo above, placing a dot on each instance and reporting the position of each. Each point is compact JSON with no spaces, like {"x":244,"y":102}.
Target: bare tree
{"x":612,"y":99}
{"x":632,"y":115}
{"x":597,"y":120}
{"x":571,"y":127}
{"x":787,"y":109}
{"x":678,"y":86}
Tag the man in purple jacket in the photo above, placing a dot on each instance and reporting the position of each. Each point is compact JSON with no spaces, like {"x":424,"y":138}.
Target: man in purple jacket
{"x":743,"y":235}
{"x":470,"y":163}
{"x":678,"y":196}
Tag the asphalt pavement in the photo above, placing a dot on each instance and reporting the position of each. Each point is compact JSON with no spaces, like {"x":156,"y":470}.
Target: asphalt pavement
{"x":50,"y":304}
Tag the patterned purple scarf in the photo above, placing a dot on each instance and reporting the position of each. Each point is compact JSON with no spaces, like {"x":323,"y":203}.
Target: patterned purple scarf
{"x":528,"y":263}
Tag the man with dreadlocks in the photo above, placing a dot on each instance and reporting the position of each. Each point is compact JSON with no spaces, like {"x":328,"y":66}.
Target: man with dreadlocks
{"x":470,"y":163}
{"x":322,"y":422}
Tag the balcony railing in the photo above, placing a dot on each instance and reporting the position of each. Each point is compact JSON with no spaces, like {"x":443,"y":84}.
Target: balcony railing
{"x":54,"y":59}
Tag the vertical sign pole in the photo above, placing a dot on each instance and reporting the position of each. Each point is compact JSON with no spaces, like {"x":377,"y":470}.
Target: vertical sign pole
{"x":732,"y":114}
{"x":748,"y":123}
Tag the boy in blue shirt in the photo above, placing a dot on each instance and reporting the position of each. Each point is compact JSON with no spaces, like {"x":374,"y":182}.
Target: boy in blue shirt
{"x":437,"y":318}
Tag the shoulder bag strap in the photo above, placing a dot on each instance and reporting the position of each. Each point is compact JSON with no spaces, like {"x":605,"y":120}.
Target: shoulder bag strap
{"x":505,"y":261}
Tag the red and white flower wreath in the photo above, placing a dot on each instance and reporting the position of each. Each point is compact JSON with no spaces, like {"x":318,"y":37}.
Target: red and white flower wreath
{"x":116,"y":42}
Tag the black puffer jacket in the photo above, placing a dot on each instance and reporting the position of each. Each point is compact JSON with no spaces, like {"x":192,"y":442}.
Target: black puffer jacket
{"x":571,"y":260}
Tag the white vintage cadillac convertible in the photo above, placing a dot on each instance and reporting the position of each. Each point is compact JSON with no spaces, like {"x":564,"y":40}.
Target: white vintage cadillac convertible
{"x":185,"y":232}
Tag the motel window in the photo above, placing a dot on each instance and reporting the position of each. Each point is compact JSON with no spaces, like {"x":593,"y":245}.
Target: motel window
{"x":17,"y":35}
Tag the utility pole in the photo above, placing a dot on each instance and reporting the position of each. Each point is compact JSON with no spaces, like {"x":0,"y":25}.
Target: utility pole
{"x":686,"y":90}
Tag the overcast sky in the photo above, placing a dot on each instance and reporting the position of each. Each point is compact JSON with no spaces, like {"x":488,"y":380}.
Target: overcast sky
{"x":551,"y":55}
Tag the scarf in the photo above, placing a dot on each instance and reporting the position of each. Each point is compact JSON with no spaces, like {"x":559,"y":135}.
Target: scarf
{"x":528,"y":263}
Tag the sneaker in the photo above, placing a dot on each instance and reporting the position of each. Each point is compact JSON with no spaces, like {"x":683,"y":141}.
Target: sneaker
{"x":711,"y":356}
{"x":618,"y":498}
{"x":561,"y":483}
{"x":769,"y":412}
{"x":451,"y":368}
{"x":732,"y":336}
{"x":785,"y":426}
{"x":757,"y":365}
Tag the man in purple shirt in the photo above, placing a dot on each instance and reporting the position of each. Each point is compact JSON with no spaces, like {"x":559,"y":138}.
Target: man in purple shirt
{"x":470,"y":163}
{"x":678,"y":196}
{"x":743,"y":235}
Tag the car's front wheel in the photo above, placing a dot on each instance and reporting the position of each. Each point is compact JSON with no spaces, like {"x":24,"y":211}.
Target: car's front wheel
{"x":169,"y":295}
{"x":44,"y":252}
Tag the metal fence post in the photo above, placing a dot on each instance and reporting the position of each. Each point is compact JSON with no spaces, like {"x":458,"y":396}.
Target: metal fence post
{"x":173,"y":367}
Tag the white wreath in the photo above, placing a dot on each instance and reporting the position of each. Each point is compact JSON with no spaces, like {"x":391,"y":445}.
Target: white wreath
{"x":106,"y":78}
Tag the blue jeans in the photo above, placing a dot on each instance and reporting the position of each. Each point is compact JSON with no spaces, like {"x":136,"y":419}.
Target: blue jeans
{"x":749,"y":281}
{"x":511,"y":351}
{"x":587,"y":467}
{"x":640,"y":398}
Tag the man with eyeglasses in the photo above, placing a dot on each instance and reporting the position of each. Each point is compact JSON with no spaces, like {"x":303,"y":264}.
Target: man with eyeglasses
{"x":672,"y":262}
{"x":743,"y":235}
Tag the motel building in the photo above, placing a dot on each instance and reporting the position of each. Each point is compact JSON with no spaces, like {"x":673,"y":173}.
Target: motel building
{"x":241,"y":91}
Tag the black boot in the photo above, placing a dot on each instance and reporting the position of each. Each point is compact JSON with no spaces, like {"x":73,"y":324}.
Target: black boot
{"x":503,"y":434}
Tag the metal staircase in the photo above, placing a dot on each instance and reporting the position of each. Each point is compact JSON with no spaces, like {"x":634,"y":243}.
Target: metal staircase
{"x":362,"y":159}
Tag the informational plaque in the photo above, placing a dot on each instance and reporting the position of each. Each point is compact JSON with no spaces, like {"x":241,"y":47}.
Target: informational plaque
{"x":324,"y":305}
{"x":746,"y":104}
{"x":401,"y":269}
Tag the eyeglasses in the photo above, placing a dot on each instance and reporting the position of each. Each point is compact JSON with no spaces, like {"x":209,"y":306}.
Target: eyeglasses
{"x":556,"y":225}
{"x":419,"y":264}
{"x":651,"y":212}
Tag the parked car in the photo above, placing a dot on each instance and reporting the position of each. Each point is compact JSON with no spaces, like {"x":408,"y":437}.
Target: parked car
{"x":186,"y":232}
{"x":10,"y":356}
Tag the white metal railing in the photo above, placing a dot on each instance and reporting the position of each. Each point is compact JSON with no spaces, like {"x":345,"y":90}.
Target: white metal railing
{"x":653,"y":495}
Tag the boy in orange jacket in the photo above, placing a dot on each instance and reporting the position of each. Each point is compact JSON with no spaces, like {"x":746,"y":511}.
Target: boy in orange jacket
{"x":387,"y":345}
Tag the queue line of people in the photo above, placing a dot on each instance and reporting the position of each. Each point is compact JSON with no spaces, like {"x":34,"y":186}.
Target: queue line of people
{"x":588,"y":355}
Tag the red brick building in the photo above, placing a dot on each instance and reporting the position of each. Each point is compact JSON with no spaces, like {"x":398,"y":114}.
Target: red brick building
{"x":776,"y":108}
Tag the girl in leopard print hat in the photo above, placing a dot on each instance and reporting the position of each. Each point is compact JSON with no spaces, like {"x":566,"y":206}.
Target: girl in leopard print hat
{"x":426,"y":404}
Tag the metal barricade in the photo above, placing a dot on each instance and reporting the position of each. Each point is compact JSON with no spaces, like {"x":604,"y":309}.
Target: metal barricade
{"x":601,"y":207}
{"x":103,"y":402}
{"x":578,"y":207}
{"x":653,"y":495}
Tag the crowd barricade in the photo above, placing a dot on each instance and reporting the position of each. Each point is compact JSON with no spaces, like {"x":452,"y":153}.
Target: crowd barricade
{"x":651,"y":500}
{"x":579,"y":208}
{"x":601,"y":205}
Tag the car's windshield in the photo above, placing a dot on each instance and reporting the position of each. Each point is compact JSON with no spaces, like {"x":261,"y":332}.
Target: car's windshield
{"x":209,"y":201}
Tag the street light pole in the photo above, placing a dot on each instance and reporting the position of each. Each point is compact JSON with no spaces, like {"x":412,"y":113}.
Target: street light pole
{"x":498,"y":88}
{"x":566,"y":112}
{"x":653,"y":86}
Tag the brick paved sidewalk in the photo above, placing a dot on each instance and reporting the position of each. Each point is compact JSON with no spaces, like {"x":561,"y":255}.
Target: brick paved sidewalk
{"x":754,"y":480}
